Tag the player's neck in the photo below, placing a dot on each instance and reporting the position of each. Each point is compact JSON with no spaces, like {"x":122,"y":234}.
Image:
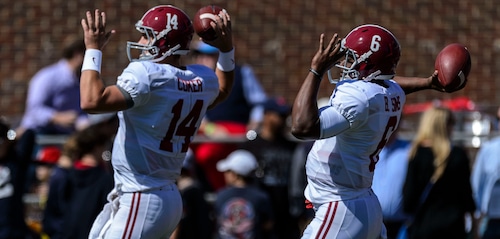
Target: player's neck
{"x":173,"y":61}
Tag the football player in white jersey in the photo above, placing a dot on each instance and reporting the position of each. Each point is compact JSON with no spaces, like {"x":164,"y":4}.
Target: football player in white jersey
{"x":160,"y":105}
{"x":363,"y":111}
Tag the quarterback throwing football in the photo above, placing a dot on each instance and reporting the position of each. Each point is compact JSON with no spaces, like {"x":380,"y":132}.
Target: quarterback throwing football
{"x":160,"y":105}
{"x":363,"y":111}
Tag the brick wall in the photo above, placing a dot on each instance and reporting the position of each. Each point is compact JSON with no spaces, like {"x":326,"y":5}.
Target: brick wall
{"x":277,"y":38}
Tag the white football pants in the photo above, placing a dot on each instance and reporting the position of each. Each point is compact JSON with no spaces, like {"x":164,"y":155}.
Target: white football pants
{"x":359,"y":218}
{"x":148,"y":215}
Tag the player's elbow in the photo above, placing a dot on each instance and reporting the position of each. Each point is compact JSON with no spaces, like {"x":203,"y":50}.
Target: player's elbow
{"x":305,"y":131}
{"x":88,"y":106}
{"x":221,"y":97}
{"x":297,"y":133}
{"x":305,"y":126}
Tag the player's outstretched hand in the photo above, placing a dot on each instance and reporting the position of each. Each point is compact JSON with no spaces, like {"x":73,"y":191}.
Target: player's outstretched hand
{"x":222,"y":26}
{"x":94,"y":30}
{"x":327,"y":56}
{"x":436,"y":85}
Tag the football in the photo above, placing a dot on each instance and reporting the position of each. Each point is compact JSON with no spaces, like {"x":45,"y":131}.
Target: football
{"x":453,"y":64}
{"x":202,"y":19}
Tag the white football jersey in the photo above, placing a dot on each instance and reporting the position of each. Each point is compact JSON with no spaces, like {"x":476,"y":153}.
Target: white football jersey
{"x":154,"y":135}
{"x":341,"y":167}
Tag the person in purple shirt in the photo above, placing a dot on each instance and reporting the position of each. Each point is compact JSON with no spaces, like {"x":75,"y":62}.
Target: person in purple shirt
{"x":53,"y":99}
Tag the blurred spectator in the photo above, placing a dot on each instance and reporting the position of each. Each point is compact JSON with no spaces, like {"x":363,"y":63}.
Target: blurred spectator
{"x":45,"y":161}
{"x":196,"y":210}
{"x":44,"y":164}
{"x":53,"y":105}
{"x":437,"y":190}
{"x":241,"y":208}
{"x":82,"y":169}
{"x":13,"y":169}
{"x":89,"y":180}
{"x":298,"y":183}
{"x":486,"y":186}
{"x":273,"y":147}
{"x":55,"y":205}
{"x":388,"y":180}
{"x":234,"y":116}
{"x":53,"y":100}
{"x":107,"y":125}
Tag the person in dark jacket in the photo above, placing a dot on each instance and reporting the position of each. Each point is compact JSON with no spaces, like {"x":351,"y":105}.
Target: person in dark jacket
{"x":87,"y":179}
{"x":14,"y":163}
{"x":437,"y":190}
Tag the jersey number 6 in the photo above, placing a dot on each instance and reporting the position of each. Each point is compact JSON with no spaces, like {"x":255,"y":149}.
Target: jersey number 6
{"x":391,"y":126}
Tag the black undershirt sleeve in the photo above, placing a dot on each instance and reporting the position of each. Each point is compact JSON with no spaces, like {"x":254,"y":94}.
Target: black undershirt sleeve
{"x":128,"y":98}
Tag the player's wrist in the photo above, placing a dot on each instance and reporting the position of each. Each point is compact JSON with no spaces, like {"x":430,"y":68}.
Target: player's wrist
{"x":226,"y":62}
{"x":92,"y":60}
{"x":316,"y":73}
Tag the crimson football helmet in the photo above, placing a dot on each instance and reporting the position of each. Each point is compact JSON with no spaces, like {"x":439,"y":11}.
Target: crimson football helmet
{"x":168,"y":31}
{"x":372,"y":52}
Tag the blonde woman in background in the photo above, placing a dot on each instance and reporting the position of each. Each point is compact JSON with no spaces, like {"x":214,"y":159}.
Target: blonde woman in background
{"x":437,"y":190}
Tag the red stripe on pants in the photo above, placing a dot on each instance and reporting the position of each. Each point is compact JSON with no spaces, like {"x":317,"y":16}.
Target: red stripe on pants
{"x":328,"y":221}
{"x":134,"y":209}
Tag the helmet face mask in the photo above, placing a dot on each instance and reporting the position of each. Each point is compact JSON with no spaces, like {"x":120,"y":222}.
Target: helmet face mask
{"x":371,"y":52}
{"x":167,"y":31}
{"x":146,"y":52}
{"x":349,"y":65}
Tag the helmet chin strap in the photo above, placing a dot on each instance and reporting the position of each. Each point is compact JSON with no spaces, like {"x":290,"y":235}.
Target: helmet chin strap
{"x":372,"y":76}
{"x":377,"y":76}
{"x":168,"y":53}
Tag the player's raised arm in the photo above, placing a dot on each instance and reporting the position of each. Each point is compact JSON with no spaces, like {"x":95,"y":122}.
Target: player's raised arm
{"x":94,"y":95}
{"x":225,"y":63}
{"x":305,"y":116}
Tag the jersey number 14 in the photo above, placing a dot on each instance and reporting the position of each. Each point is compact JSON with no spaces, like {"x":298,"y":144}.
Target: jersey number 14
{"x":186,"y":128}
